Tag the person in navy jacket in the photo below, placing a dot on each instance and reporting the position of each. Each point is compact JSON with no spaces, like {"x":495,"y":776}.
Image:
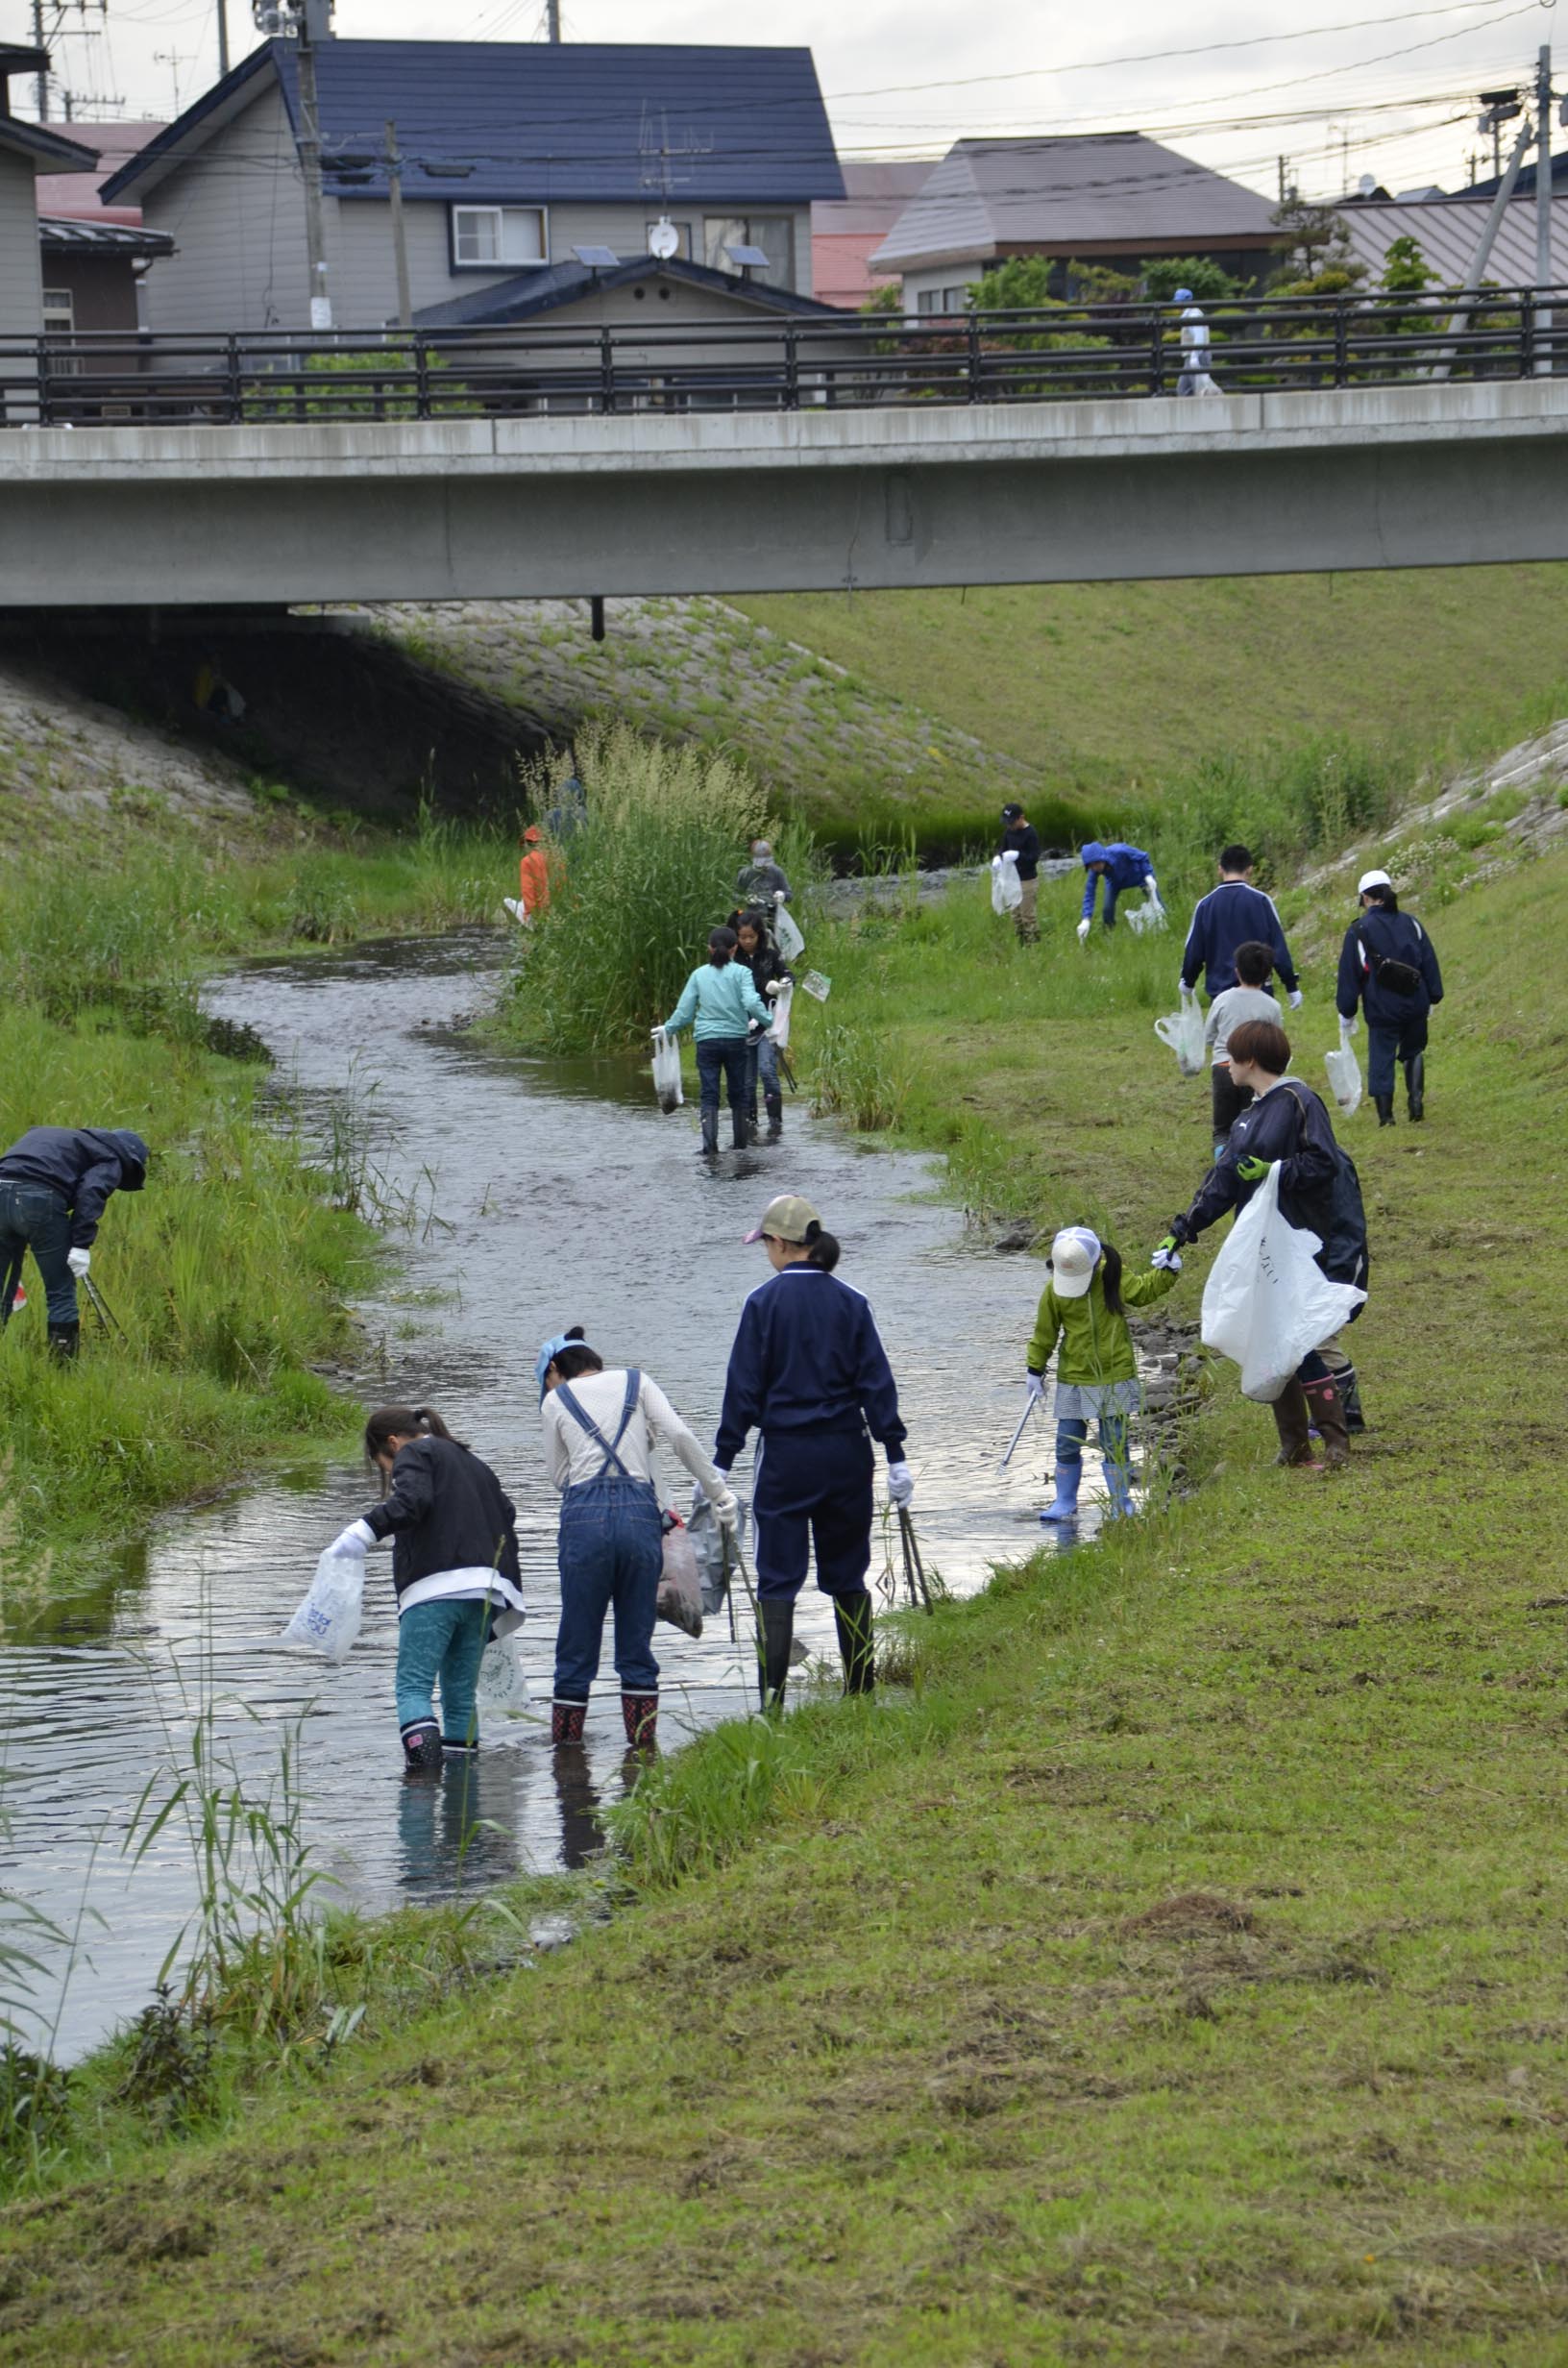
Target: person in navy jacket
{"x":54,"y":1184}
{"x":1234,"y":914}
{"x":809,"y":1372}
{"x":1121,"y":867}
{"x":1389,"y":964}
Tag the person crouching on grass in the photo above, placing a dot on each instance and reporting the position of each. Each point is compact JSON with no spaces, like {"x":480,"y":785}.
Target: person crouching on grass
{"x":1084,"y":1306}
{"x":454,"y":1566}
{"x":601,"y":1429}
{"x":809,"y":1373}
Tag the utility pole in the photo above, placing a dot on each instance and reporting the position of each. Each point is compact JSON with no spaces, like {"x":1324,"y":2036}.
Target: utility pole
{"x":1543,"y":209}
{"x":1479,"y":261}
{"x":315,"y":244}
{"x":223,"y":38}
{"x":553,"y":20}
{"x":400,"y":239}
{"x":40,"y":80}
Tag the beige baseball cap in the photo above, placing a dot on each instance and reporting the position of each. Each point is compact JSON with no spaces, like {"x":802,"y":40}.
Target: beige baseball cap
{"x":1075,"y":1253}
{"x":788,"y":1219}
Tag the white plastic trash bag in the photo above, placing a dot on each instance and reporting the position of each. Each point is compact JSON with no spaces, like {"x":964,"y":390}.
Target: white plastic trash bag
{"x":1266,"y":1303}
{"x":1141,"y":918}
{"x":667,"y":1071}
{"x":1344,"y":1079}
{"x":780,"y":1030}
{"x":1182,"y":1032}
{"x":1006,"y":887}
{"x":328,"y":1620}
{"x":790,"y":944}
{"x":503,"y":1683}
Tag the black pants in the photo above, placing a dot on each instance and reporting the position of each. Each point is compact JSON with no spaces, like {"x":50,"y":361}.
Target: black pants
{"x":1386,"y":1045}
{"x":1229,"y":1100}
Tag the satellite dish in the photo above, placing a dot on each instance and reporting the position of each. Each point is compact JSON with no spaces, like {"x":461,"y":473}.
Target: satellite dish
{"x":664,"y":240}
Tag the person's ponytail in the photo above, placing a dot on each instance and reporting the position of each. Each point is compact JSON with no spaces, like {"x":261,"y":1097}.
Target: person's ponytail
{"x":824,"y":1250}
{"x":389,"y":1422}
{"x":721,"y":945}
{"x":1111,"y":1278}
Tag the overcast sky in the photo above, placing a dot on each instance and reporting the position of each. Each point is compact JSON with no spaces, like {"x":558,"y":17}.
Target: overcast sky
{"x":1386,"y":90}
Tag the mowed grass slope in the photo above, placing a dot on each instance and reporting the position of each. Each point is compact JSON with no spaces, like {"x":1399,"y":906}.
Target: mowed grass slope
{"x":1176,"y":1975}
{"x":1122,"y":686}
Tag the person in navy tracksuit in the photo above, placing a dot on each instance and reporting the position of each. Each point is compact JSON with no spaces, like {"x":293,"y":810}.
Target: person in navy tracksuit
{"x":1389,"y":964}
{"x":809,"y":1372}
{"x":1234,"y":914}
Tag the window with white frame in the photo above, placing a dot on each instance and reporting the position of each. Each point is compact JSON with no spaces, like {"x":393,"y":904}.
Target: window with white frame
{"x":773,"y":233}
{"x":492,"y":238}
{"x":59,"y":312}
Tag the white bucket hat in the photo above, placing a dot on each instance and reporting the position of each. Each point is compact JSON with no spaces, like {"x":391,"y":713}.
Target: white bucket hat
{"x":1075,"y":1253}
{"x":1372,"y":879}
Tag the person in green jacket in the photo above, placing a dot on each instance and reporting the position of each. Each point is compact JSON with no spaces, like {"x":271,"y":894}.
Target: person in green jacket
{"x":723,"y":1000}
{"x":1084,"y":1306}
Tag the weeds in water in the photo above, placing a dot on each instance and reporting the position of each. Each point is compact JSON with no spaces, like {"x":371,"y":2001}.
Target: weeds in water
{"x":854,"y":1079}
{"x":170,"y":2077}
{"x":34,"y":2106}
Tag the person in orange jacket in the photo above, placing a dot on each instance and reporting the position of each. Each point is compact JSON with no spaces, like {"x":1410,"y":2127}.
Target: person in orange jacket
{"x":533,"y":871}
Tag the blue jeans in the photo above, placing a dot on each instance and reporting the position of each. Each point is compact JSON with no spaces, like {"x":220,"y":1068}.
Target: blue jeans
{"x":1386,"y":1044}
{"x":1072,"y":1430}
{"x":442,"y":1642}
{"x":762,"y":1059}
{"x":813,"y":1488}
{"x":33,"y":1218}
{"x":611,"y":1556}
{"x":726,"y":1055}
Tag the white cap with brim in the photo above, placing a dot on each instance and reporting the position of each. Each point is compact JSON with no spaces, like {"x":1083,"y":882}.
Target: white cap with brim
{"x":1372,"y":879}
{"x":1075,"y":1253}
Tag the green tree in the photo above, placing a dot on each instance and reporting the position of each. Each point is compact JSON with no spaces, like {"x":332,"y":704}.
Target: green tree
{"x":1096,"y":283}
{"x":1406,"y":270}
{"x":1313,"y":246}
{"x":1020,"y":285}
{"x":1162,"y":275}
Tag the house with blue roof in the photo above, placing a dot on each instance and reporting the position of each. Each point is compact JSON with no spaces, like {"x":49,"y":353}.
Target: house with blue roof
{"x":623,"y":181}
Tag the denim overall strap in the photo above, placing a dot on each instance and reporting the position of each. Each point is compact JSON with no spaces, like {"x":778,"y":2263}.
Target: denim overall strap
{"x":579,"y":1413}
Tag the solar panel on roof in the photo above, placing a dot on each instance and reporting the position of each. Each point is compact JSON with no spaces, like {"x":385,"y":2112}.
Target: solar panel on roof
{"x":597,"y":258}
{"x":750,"y":258}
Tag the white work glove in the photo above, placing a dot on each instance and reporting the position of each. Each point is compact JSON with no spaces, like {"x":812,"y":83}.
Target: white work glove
{"x":900,"y":1484}
{"x":1168,"y":1261}
{"x":727,"y":1507}
{"x":775,"y":986}
{"x":1347,"y":1029}
{"x":1189,"y":995}
{"x":1154,"y":892}
{"x":357,"y":1539}
{"x":1083,"y":927}
{"x":79,"y":1261}
{"x":1034,"y":1384}
{"x":1295,"y":998}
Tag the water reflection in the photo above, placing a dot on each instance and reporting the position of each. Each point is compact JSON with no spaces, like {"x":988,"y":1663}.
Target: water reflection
{"x":550,"y":1193}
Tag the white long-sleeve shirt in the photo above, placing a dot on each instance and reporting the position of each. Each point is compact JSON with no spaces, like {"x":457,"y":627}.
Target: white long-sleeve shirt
{"x":573,"y":1455}
{"x":1230,"y":1008}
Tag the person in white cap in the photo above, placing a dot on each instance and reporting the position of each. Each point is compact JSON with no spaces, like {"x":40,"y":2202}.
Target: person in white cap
{"x":1084,"y":1306}
{"x":1389,"y":965}
{"x":809,"y":1373}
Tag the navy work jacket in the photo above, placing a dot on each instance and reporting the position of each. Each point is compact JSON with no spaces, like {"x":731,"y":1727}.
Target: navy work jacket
{"x":807,"y":1357}
{"x":84,"y":1165}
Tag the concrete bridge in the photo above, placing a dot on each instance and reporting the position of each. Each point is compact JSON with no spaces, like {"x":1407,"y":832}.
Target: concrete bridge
{"x":259,"y":514}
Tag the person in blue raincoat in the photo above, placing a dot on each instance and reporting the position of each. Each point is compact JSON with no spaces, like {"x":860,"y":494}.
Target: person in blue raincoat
{"x":1121,"y":867}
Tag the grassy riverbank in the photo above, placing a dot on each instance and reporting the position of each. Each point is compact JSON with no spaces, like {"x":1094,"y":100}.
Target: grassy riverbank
{"x":230,"y":1274}
{"x":1175,"y":1973}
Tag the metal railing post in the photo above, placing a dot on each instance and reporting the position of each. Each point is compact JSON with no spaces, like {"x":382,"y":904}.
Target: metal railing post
{"x":422,"y":379}
{"x":1342,"y":344}
{"x":1157,"y":356}
{"x":973,"y":342}
{"x":606,"y":371}
{"x":46,"y":408}
{"x":792,"y":372}
{"x":1527,"y":335}
{"x":236,"y":404}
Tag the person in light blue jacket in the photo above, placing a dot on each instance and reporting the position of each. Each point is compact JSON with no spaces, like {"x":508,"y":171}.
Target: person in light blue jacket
{"x":1121,"y":867}
{"x":722,"y":1000}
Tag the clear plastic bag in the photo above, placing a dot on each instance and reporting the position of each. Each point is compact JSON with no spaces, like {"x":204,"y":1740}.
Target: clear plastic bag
{"x":1267,"y":1302}
{"x":817,"y":986}
{"x":1147,"y":916}
{"x":782,"y":1002}
{"x":667,"y":1071}
{"x":328,"y":1620}
{"x":1344,"y":1077}
{"x":680,"y":1587}
{"x":707,"y":1545}
{"x":503,"y":1683}
{"x":790,"y":944}
{"x":1182,"y":1032}
{"x":1006,"y":887}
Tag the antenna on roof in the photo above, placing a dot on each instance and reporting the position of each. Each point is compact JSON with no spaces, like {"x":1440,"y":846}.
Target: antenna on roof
{"x":661,"y":155}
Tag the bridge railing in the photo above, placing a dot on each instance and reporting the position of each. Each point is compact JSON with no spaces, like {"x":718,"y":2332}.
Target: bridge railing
{"x":783,"y":363}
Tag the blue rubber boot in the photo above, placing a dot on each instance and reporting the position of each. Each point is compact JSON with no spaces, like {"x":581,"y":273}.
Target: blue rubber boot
{"x":1118,"y":1471}
{"x":1068,"y":1479}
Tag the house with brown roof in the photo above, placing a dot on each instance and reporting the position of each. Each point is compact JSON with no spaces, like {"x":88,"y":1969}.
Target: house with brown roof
{"x":1113,"y":198}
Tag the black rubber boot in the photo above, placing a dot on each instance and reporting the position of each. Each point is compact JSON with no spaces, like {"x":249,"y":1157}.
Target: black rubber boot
{"x":778,"y":1630}
{"x":852,"y":1617}
{"x":740,"y":1133}
{"x":421,"y":1748}
{"x":710,"y":1133}
{"x":65,"y":1338}
{"x":1350,"y":1396}
{"x":751,"y":1128}
{"x":775,"y":1103}
{"x":1385,"y":1108}
{"x":1416,"y":1087}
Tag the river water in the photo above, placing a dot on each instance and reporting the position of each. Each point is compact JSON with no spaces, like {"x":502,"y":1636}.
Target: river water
{"x":546,"y":1194}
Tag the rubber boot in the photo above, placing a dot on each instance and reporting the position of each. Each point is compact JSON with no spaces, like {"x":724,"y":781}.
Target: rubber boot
{"x":1069,"y":1480}
{"x":740,"y":1133}
{"x":1349,"y":1393}
{"x":752,"y":1129}
{"x":852,"y":1618}
{"x":1416,"y":1087}
{"x":640,"y":1712}
{"x":1323,"y":1402}
{"x":567,"y":1719}
{"x":777,"y":1631}
{"x":1292,"y":1419}
{"x":1385,"y":1108}
{"x":710,"y":1133}
{"x":65,"y":1338}
{"x":421,"y":1748}
{"x":459,"y":1747}
{"x":1118,"y":1485}
{"x":774,"y":1105}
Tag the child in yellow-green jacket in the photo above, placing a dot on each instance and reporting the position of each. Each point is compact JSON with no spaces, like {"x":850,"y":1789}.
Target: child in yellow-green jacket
{"x":1084,"y":1306}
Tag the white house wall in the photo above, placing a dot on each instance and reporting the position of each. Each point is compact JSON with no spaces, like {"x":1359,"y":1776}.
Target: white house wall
{"x":236,"y":215}
{"x":21,"y":283}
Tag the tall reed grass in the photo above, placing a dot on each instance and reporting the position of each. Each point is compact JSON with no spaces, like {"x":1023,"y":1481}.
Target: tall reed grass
{"x":640,"y":886}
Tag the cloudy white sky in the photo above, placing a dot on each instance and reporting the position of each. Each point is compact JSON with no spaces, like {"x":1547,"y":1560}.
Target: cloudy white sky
{"x":1373,"y":87}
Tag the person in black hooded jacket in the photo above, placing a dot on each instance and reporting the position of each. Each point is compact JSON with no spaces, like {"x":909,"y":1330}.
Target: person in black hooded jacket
{"x":54,"y":1184}
{"x":1389,"y":964}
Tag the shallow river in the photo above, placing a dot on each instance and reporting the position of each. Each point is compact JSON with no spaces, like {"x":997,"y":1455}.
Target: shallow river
{"x":548,"y":1194}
